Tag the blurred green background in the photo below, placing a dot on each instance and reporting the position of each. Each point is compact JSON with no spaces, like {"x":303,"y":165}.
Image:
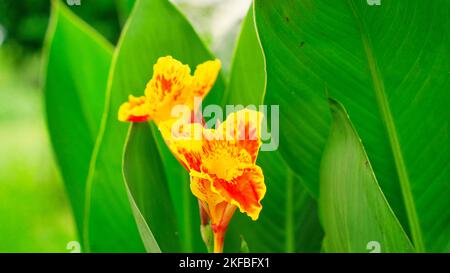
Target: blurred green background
{"x":35,"y":215}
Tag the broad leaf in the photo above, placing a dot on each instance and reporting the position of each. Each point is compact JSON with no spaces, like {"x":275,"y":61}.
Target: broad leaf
{"x":148,"y":191}
{"x":124,"y":8}
{"x":78,"y":61}
{"x":289,"y":219}
{"x":354,"y":209}
{"x":155,"y":28}
{"x":247,"y":75}
{"x":186,"y":204}
{"x":388,"y":65}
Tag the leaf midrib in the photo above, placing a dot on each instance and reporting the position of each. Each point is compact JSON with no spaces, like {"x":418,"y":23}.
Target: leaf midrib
{"x":386,"y":115}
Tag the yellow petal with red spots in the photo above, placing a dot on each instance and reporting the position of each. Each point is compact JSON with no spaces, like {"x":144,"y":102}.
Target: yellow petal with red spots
{"x":219,"y":211}
{"x":244,"y":127}
{"x":223,"y":159}
{"x":173,"y":85}
{"x":201,"y":188}
{"x":169,"y":86}
{"x":226,"y":165}
{"x":245,"y":191}
{"x":184,"y":141}
{"x":205,"y":76}
{"x":137,"y":109}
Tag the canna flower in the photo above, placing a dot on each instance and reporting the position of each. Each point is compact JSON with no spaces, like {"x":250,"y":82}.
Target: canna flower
{"x":172,"y":84}
{"x":221,"y":163}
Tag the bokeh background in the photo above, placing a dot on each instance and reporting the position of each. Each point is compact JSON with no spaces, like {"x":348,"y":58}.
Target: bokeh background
{"x":35,"y":215}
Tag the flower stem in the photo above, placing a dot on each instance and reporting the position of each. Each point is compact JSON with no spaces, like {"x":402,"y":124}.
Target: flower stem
{"x":218,"y":242}
{"x":220,"y":228}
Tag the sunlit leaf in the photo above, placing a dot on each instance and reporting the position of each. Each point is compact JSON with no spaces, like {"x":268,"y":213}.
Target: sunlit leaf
{"x":354,"y":209}
{"x":148,"y":191}
{"x":78,"y":61}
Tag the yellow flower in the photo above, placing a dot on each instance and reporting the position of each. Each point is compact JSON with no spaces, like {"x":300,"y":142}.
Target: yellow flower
{"x":172,"y":84}
{"x":222,"y":166}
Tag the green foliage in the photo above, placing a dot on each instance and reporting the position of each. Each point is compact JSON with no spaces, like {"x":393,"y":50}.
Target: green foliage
{"x":148,"y":191}
{"x":124,"y":8}
{"x":392,"y":78}
{"x":35,"y":215}
{"x":354,"y":209}
{"x":288,"y":221}
{"x":379,"y":173}
{"x":77,"y":72}
{"x":25,"y":21}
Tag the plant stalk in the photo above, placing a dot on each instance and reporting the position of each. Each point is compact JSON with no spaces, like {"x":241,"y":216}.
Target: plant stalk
{"x":218,"y":241}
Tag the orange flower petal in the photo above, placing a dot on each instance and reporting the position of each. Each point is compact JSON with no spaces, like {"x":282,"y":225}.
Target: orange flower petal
{"x":245,"y":191}
{"x":135,"y":110}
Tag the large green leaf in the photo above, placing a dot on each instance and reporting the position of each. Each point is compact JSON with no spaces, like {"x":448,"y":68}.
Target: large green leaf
{"x":78,"y":61}
{"x":289,"y":219}
{"x":148,"y":191}
{"x":155,"y":28}
{"x":247,"y":75}
{"x":124,"y":8}
{"x":354,"y":209}
{"x":186,"y":204}
{"x":388,"y":65}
